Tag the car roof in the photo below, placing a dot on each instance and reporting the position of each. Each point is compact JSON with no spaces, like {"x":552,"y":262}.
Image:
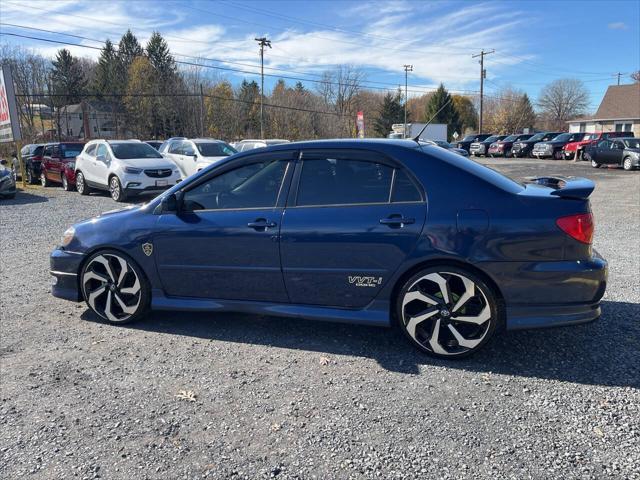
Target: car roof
{"x":374,"y":143}
{"x":203,"y":140}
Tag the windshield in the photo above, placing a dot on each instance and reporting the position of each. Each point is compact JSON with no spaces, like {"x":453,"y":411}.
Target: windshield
{"x":492,"y":138}
{"x":537,"y":136}
{"x":215,"y":149}
{"x":632,"y":143}
{"x":469,"y":138}
{"x":591,"y":136}
{"x":563,"y":137}
{"x":70,"y":150}
{"x":127,"y":151}
{"x":510,"y":138}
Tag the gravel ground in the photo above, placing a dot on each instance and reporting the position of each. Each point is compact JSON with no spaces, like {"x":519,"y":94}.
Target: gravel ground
{"x":282,"y":398}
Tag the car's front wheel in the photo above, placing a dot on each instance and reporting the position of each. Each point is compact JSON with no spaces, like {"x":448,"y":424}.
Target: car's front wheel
{"x":66,"y":186}
{"x":627,"y":164}
{"x":44,"y":181}
{"x":81,"y":184}
{"x":115,"y":287}
{"x":447,"y":312}
{"x":115,"y":188}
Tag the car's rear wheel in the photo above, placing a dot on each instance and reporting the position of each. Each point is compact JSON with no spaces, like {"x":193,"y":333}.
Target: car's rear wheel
{"x":115,"y":188}
{"x":595,"y":164}
{"x":447,"y":312}
{"x":557,"y":155}
{"x":30,"y":177}
{"x":81,"y":184}
{"x":115,"y":287}
{"x":44,"y":181}
{"x":627,"y":164}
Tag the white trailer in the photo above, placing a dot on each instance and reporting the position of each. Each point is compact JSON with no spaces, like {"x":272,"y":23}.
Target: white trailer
{"x":434,"y":131}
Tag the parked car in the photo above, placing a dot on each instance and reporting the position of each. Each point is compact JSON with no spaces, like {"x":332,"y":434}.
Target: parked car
{"x":59,"y":164}
{"x":125,"y":168}
{"x":446,"y":146}
{"x":465,"y":143}
{"x":615,"y":151}
{"x":7,"y":180}
{"x":193,"y":155}
{"x":523,"y":148}
{"x":502,"y":148}
{"x":569,"y":150}
{"x":338,"y":230}
{"x":244,"y":145}
{"x":553,"y":148}
{"x":154,"y":143}
{"x":32,"y":158}
{"x":164,"y":147}
{"x":480,"y":148}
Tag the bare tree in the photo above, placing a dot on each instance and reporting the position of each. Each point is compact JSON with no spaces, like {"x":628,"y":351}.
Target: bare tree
{"x":635,"y":76}
{"x":562,"y":100}
{"x":338,"y":89}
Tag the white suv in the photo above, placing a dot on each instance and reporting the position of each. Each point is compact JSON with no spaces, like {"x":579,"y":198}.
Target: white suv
{"x":123,"y":167}
{"x":193,"y":155}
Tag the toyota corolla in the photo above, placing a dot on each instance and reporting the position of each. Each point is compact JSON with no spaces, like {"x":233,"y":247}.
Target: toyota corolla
{"x":387,"y":232}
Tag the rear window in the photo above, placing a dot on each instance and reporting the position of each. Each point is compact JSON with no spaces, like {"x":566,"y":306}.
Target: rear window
{"x":215,"y":149}
{"x":70,"y":150}
{"x":127,"y":151}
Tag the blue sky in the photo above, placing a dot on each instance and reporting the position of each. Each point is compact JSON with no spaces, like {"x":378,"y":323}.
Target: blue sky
{"x":535,"y":41}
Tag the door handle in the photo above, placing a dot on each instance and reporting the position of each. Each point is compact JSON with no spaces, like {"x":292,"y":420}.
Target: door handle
{"x":397,"y":220}
{"x":261,"y":224}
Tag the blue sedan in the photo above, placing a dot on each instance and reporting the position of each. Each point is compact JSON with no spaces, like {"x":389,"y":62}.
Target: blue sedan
{"x":388,"y":232}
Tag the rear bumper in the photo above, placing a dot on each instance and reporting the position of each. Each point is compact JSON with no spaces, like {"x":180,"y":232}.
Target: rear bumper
{"x":65,"y":266}
{"x":548,"y":294}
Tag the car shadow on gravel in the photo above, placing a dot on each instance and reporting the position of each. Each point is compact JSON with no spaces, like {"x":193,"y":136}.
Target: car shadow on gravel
{"x":24,"y":198}
{"x":605,"y":352}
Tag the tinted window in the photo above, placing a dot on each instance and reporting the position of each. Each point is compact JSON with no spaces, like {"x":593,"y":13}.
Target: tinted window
{"x":331,"y":181}
{"x":250,"y":186}
{"x":91,"y":150}
{"x":526,"y":136}
{"x":632,"y":143}
{"x":70,"y":150}
{"x":404,"y":190}
{"x":48,"y":150}
{"x":492,"y":138}
{"x":603,"y":144}
{"x":537,"y":136}
{"x":469,"y":138}
{"x":563,"y":137}
{"x":215,"y":149}
{"x":175,"y":147}
{"x":511,"y":138}
{"x":126,"y":151}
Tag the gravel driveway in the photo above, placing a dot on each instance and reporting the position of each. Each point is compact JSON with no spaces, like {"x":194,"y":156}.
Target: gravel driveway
{"x":271,"y":397}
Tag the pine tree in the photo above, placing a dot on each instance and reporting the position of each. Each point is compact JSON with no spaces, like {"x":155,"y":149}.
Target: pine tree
{"x":159,"y":56}
{"x":67,"y":79}
{"x":128,"y":49}
{"x":249,"y":109}
{"x":106,"y":81}
{"x":448,"y":114}
{"x":527,"y":115}
{"x":392,"y":111}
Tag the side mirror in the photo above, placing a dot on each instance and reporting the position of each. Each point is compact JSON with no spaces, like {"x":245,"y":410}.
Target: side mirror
{"x":172,"y":203}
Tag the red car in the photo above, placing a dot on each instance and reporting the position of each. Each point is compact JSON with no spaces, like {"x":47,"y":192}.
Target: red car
{"x":569,"y":150}
{"x":59,"y":163}
{"x":503,"y":148}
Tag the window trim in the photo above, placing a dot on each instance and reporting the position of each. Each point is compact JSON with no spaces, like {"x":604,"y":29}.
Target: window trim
{"x":374,"y":157}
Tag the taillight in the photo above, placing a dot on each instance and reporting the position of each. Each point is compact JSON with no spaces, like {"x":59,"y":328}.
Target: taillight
{"x":578,"y":226}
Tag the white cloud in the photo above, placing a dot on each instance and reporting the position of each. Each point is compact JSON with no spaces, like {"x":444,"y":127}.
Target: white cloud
{"x":617,"y":26}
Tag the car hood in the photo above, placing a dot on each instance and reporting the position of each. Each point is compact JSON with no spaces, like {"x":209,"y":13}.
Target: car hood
{"x":633,"y":150}
{"x":148,"y":163}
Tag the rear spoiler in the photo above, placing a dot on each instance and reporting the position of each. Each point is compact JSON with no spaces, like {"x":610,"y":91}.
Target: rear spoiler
{"x":566,"y":187}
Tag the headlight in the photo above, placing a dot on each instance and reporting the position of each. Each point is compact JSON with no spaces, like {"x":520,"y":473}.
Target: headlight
{"x":133,"y":170}
{"x":67,"y":236}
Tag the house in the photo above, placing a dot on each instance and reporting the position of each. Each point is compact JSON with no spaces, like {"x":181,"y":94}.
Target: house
{"x":101,"y":120}
{"x":619,"y":111}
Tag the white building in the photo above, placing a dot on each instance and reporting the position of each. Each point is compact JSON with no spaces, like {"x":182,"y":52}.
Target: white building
{"x":101,"y":121}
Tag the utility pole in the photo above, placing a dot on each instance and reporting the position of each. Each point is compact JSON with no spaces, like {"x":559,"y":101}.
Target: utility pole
{"x":407,"y":69}
{"x":262,"y":41}
{"x":201,"y":112}
{"x":619,"y":77}
{"x":483,"y":75}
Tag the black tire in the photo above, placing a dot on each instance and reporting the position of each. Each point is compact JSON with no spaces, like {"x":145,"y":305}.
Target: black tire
{"x":507,"y":154}
{"x":107,"y":297}
{"x":595,"y":164}
{"x":627,"y":164}
{"x":44,"y":181}
{"x":115,"y":189}
{"x":81,"y":184}
{"x":31,"y":180}
{"x":482,"y":306}
{"x":557,"y":155}
{"x":65,"y":183}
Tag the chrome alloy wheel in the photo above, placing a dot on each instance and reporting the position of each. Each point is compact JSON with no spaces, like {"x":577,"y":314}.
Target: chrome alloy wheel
{"x":447,"y":313}
{"x":112,"y":287}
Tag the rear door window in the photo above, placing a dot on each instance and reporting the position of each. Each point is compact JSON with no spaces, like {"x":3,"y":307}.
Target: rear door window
{"x":91,"y":150}
{"x":404,"y":189}
{"x":328,"y":179}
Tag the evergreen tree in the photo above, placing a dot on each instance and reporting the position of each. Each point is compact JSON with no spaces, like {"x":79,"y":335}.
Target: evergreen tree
{"x":159,"y":56}
{"x":448,"y":114}
{"x":249,"y":109}
{"x":128,"y":49}
{"x":392,"y":111}
{"x":67,"y":80}
{"x":106,"y":81}
{"x":527,"y":115}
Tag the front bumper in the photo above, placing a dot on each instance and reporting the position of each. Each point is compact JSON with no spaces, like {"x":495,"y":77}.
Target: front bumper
{"x":550,"y":294}
{"x":132,"y":192}
{"x":65,"y":267}
{"x":477,"y":150}
{"x":7,"y":186}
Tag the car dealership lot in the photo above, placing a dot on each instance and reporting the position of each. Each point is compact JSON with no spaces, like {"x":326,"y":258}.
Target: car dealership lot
{"x":298,"y":399}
